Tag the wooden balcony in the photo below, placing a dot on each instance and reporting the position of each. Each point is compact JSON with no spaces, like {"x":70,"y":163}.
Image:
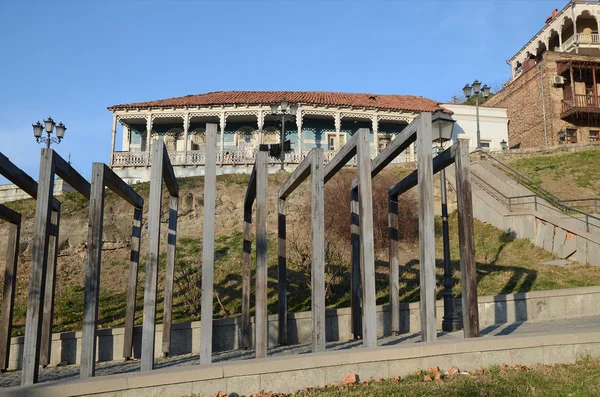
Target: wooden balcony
{"x":580,"y":104}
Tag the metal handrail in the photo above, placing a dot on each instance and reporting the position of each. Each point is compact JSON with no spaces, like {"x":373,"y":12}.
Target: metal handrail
{"x":565,"y":209}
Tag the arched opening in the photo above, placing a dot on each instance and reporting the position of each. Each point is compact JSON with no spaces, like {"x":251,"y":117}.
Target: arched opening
{"x":554,"y":41}
{"x":587,"y":28}
{"x":271,"y":136}
{"x":198,"y":138}
{"x":171,"y":137}
{"x":539,"y":53}
{"x":246,"y":138}
{"x":567,"y":33}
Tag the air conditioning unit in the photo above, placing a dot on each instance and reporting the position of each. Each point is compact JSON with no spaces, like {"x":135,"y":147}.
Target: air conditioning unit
{"x":558,"y":80}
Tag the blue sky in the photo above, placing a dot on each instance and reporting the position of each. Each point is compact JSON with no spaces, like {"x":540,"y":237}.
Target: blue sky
{"x":73,"y":59}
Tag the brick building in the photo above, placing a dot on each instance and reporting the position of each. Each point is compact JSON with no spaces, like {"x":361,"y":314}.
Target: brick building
{"x":552,"y":97}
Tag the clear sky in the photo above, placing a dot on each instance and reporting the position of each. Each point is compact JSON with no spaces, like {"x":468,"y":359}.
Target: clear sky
{"x":72,"y":59}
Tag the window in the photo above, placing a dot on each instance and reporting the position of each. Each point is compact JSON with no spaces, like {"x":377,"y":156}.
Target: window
{"x":571,"y":136}
{"x":383,"y":142}
{"x":485,"y":145}
{"x":331,"y":142}
{"x":594,"y":135}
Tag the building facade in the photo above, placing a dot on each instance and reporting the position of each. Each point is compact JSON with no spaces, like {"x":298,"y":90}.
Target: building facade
{"x":552,"y":95}
{"x":323,"y":119}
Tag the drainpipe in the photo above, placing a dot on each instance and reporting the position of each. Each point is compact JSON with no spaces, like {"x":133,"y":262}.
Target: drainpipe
{"x":575,"y":27}
{"x":543,"y":102}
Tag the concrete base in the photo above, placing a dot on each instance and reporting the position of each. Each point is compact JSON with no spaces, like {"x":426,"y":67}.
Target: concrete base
{"x":292,"y":373}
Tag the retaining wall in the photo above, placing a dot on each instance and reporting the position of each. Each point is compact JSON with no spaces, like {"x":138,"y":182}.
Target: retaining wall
{"x":493,"y":310}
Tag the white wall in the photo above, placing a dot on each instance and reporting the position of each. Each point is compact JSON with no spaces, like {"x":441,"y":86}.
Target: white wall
{"x":493,"y":124}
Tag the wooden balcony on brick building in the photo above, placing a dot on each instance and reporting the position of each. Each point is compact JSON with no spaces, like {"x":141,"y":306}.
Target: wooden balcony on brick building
{"x":580,"y":104}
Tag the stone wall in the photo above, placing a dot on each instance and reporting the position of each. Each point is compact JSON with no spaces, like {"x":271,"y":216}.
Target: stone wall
{"x":13,"y":192}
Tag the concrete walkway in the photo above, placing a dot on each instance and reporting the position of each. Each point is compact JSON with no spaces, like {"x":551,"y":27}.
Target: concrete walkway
{"x":71,"y":372}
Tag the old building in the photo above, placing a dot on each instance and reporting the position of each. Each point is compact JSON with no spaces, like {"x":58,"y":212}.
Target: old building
{"x":552,"y":96}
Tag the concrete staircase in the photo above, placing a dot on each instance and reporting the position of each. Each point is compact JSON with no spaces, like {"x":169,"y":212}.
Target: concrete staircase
{"x":501,"y":201}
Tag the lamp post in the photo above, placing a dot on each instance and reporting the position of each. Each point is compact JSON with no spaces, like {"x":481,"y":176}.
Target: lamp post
{"x":503,"y":145}
{"x":442,"y":125}
{"x":477,"y":90}
{"x":283,"y":113}
{"x":49,"y":125}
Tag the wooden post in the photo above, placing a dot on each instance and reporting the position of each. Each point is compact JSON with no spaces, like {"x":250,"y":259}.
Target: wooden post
{"x":134,"y":260}
{"x":426,"y":229}
{"x":357,"y":327}
{"x":155,"y":198}
{"x":39,"y":259}
{"x":8,"y":293}
{"x":92,"y":273}
{"x":317,"y":182}
{"x":468,"y":270}
{"x":170,"y":273}
{"x":367,"y":251}
{"x":246,"y":275}
{"x":394,"y":284}
{"x":262,"y":265}
{"x":46,"y":345}
{"x":282,"y":272}
{"x":208,"y":245}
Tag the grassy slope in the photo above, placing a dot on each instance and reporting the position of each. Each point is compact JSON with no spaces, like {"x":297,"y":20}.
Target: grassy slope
{"x":504,"y":266}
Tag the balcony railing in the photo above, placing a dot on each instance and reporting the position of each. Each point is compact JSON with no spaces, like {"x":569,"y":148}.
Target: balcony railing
{"x":226,"y":158}
{"x":583,"y":38}
{"x":580,"y":103}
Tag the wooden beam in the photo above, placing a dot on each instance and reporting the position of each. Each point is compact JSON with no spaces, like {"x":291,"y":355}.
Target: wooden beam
{"x":251,"y":190}
{"x":46,"y":345}
{"x":426,"y":229}
{"x":318,"y":250}
{"x":169,"y":276}
{"x":153,"y":258}
{"x":394,"y":283}
{"x":123,"y":190}
{"x":440,"y":162}
{"x":168,"y":174}
{"x":356,"y":268}
{"x":87,"y":366}
{"x":366,"y":238}
{"x":282,"y":272}
{"x":262,"y":264}
{"x":246,"y":275}
{"x":39,"y":257}
{"x":71,"y":176}
{"x":342,"y":157}
{"x":8,"y":215}
{"x":134,"y":260}
{"x":208,"y":245}
{"x":468,"y":269}
{"x":8,"y":293}
{"x":299,"y":175}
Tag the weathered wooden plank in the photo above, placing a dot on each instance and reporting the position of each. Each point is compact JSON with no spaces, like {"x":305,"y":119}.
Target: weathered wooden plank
{"x":357,"y":327}
{"x":440,"y":162}
{"x":92,"y":273}
{"x":8,"y":293}
{"x":134,"y":260}
{"x":152,"y":261}
{"x":8,"y":215}
{"x":39,"y":257}
{"x":46,"y":346}
{"x":208,"y":245}
{"x":71,"y":176}
{"x":341,"y":158}
{"x":169,"y":275}
{"x":468,"y":268}
{"x":123,"y":190}
{"x":262,"y":264}
{"x":394,"y":282}
{"x":317,"y":184}
{"x":169,"y":174}
{"x":426,"y":229}
{"x":282,"y":272}
{"x":17,"y":176}
{"x":251,"y":190}
{"x":366,"y":238}
{"x":246,"y":274}
{"x":298,"y":176}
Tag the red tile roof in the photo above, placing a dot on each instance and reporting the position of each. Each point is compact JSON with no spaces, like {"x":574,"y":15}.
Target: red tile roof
{"x":390,"y":102}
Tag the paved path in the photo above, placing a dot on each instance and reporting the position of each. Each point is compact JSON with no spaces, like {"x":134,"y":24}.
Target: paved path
{"x":12,"y":378}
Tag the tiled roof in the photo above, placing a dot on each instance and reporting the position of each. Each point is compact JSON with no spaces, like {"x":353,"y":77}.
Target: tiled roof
{"x":390,"y":102}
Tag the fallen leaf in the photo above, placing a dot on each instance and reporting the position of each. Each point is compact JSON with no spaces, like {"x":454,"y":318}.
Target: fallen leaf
{"x":350,"y":379}
{"x":427,"y":378}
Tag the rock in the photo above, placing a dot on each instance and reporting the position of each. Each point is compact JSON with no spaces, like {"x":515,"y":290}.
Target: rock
{"x":350,"y":379}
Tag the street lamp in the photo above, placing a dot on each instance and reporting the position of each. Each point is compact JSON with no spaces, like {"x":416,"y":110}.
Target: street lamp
{"x":503,"y":144}
{"x":442,"y":125}
{"x":283,"y":111}
{"x":478,"y":91}
{"x":49,"y":125}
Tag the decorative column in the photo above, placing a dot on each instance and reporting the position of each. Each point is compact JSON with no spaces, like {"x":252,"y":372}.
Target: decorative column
{"x":114,"y":136}
{"x":299,"y":126}
{"x":261,"y":122}
{"x":186,"y":127}
{"x":126,"y":142}
{"x":148,"y":135}
{"x":560,"y":39}
{"x":222,"y":123}
{"x":338,"y":125}
{"x":375,"y":123}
